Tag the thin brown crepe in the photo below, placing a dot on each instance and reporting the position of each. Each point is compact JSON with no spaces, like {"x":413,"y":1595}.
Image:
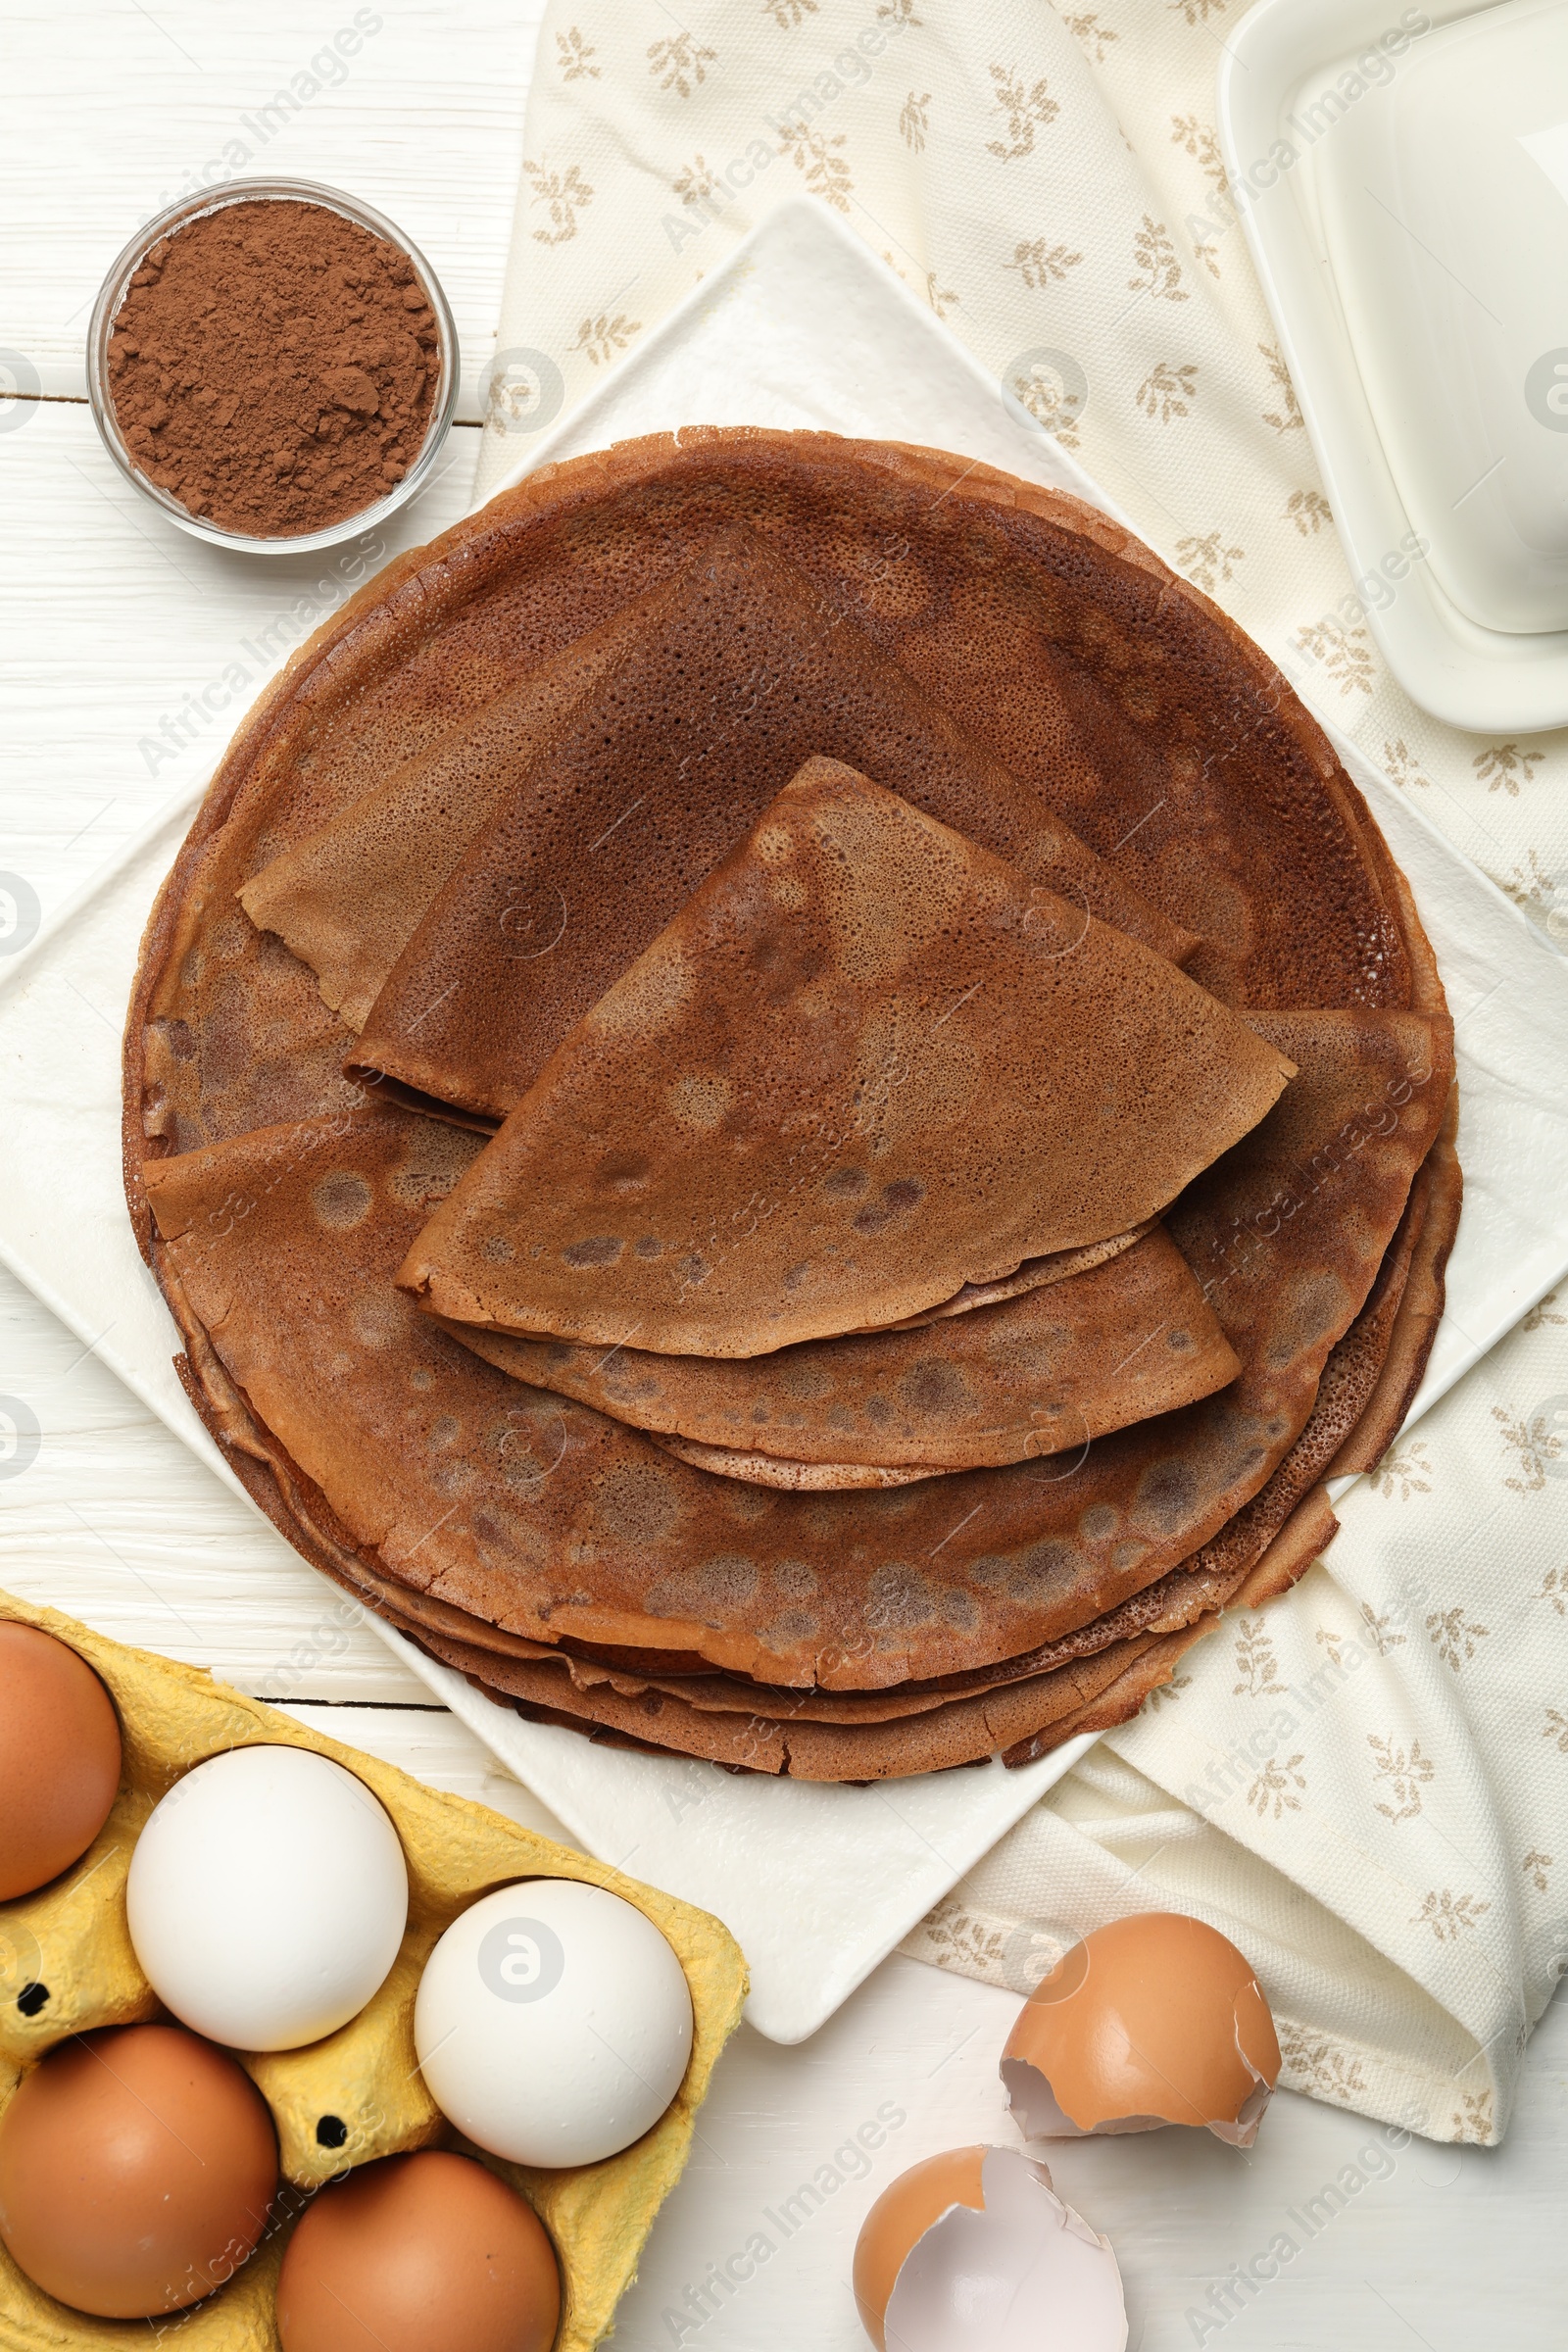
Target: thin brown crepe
{"x":735,"y":673}
{"x":348,"y":899}
{"x":1032,"y":1275}
{"x":799,"y":1478}
{"x":867,"y":1064}
{"x":543,"y":1517}
{"x":1143,"y":718}
{"x":1032,"y":1375}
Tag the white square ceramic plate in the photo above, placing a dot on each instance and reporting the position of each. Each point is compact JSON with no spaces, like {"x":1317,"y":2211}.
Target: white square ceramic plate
{"x":802,"y":327}
{"x":1292,"y":76}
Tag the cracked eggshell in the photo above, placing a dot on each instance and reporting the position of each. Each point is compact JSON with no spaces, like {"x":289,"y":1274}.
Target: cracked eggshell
{"x":1154,"y":2020}
{"x":973,"y":2251}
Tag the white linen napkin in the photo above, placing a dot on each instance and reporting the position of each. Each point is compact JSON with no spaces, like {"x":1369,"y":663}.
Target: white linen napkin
{"x":1367,"y":1785}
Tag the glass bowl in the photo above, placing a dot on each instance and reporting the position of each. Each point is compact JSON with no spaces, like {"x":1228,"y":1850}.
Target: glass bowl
{"x":111,"y":294}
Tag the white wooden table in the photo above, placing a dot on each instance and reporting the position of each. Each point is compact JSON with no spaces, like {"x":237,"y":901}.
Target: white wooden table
{"x":108,"y":622}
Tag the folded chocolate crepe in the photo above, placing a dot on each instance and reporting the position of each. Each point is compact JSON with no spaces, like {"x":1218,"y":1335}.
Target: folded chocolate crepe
{"x":722,"y":635}
{"x":1032,"y":1275}
{"x":563,"y":1557}
{"x":347,"y":898}
{"x":867,"y":1063}
{"x":1035,"y":1375}
{"x":729,"y":679}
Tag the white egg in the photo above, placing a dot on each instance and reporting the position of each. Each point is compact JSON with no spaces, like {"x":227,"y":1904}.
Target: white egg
{"x":267,"y":1897}
{"x":553,"y":2023}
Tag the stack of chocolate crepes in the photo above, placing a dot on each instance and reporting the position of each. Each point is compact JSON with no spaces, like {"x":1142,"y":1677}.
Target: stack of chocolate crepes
{"x":791,"y":1109}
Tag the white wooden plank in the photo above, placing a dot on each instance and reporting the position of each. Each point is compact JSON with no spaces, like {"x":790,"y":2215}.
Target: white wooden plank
{"x":110,"y":110}
{"x":116,"y":625}
{"x":112,"y":1519}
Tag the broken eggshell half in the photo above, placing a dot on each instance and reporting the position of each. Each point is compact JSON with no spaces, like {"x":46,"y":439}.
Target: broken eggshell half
{"x":973,"y":2251}
{"x":1154,"y":2020}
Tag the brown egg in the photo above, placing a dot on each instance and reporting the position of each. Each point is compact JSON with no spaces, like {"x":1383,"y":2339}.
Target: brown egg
{"x":974,"y":2248}
{"x":427,"y":2253}
{"x":136,"y":2167}
{"x":59,"y":1758}
{"x":1152,"y":2020}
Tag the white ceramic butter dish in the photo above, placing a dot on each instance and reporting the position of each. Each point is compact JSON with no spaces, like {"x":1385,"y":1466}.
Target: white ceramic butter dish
{"x":1404,"y":187}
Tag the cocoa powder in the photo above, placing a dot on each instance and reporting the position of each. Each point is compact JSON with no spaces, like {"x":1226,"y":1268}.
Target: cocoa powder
{"x":274,"y":367}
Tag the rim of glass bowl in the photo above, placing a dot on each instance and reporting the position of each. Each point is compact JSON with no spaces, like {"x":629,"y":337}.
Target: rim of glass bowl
{"x":112,"y":293}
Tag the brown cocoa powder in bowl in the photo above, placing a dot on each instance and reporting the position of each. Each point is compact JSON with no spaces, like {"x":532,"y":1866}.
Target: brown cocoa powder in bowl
{"x":274,"y":367}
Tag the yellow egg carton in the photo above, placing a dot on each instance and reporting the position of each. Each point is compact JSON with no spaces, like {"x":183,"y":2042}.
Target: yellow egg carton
{"x":358,"y":2093}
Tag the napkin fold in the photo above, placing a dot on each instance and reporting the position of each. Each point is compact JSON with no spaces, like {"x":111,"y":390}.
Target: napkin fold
{"x":1365,"y":1785}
